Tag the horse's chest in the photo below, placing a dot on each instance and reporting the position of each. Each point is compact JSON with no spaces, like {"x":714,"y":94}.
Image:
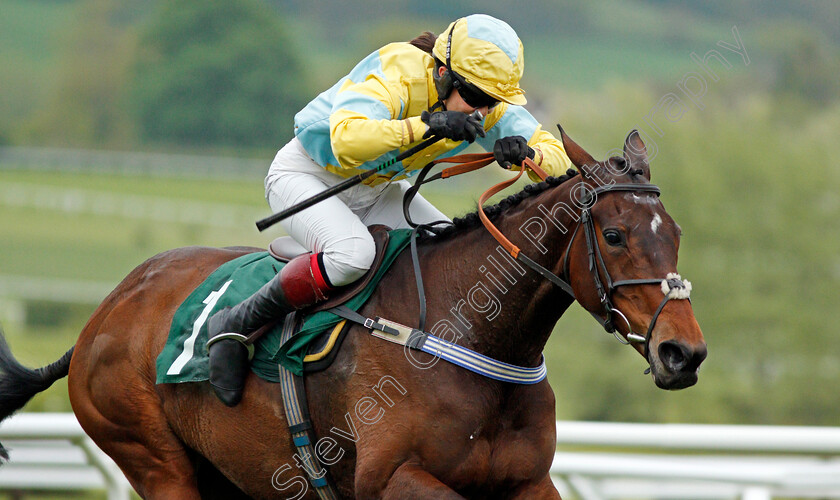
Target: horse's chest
{"x":498,"y":457}
{"x":509,"y":456}
{"x":496,"y":454}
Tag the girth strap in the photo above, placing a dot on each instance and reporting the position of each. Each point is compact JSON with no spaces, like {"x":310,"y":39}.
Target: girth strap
{"x":300,"y":424}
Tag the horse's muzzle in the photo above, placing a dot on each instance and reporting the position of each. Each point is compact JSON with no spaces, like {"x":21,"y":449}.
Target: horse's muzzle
{"x":677,"y":364}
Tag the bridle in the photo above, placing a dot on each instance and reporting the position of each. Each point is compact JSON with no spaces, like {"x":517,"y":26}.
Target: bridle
{"x":597,"y":266}
{"x":672,"y":285}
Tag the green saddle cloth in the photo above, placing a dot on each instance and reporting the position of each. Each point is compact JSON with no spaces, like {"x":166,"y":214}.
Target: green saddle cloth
{"x":185,"y":358}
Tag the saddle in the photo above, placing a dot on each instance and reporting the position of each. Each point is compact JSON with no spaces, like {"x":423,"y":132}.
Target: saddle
{"x":324,"y":348}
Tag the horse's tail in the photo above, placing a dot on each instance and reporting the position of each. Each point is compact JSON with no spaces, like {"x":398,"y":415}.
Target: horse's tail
{"x":18,"y":384}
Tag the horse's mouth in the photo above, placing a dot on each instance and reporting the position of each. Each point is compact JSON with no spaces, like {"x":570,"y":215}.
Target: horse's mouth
{"x":674,"y":381}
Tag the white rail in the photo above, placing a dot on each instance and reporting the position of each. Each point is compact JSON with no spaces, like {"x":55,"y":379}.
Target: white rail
{"x":131,"y":163}
{"x":730,"y":438}
{"x":51,"y":451}
{"x":725,"y":461}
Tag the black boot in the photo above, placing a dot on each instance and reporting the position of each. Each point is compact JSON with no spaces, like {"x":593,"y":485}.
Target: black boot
{"x":229,"y":328}
{"x":229,"y":359}
{"x":293,"y":288}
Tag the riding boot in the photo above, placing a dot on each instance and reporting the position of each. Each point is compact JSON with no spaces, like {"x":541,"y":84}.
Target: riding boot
{"x":300,"y":283}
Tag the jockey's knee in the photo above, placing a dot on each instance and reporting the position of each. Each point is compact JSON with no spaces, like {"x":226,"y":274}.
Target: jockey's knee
{"x":348,"y":260}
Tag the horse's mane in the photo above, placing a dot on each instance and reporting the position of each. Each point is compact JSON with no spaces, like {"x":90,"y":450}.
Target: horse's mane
{"x":471,"y":220}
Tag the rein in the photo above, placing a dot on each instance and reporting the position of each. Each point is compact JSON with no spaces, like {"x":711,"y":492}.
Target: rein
{"x":672,"y":286}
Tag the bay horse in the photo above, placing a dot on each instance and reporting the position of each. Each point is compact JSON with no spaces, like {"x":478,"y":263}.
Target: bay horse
{"x":399,"y":427}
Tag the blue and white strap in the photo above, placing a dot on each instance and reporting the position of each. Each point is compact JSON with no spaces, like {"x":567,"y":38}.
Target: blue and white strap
{"x":483,"y":365}
{"x":453,"y":353}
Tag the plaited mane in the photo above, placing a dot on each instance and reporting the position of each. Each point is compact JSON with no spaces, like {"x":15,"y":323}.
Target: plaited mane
{"x":471,"y":220}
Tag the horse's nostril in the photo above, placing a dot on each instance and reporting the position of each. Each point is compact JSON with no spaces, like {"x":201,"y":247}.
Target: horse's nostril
{"x":678,"y":357}
{"x":673,"y":355}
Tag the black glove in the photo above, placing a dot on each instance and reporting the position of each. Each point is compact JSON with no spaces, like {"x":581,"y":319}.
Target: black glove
{"x":512,"y":150}
{"x":453,"y":125}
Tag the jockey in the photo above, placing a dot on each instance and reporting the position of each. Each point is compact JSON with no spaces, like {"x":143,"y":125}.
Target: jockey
{"x":393,"y":99}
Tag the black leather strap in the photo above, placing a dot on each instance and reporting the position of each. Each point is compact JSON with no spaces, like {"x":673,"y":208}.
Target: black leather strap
{"x":546,"y":274}
{"x":369,"y":323}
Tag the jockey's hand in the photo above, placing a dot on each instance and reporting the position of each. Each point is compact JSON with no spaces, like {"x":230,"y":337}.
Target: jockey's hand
{"x":453,"y":125}
{"x":512,"y":150}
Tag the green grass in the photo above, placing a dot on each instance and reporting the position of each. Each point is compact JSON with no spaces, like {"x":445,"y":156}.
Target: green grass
{"x":245,"y":192}
{"x":97,"y":248}
{"x":30,"y":31}
{"x":592,"y":63}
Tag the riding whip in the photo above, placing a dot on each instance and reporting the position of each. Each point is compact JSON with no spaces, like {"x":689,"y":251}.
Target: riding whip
{"x":269,"y":221}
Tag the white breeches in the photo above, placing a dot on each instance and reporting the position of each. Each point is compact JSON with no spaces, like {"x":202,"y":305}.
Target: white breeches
{"x":337,"y":226}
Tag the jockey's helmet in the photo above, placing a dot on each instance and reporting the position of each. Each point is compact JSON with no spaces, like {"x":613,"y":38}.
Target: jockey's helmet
{"x":486,"y":53}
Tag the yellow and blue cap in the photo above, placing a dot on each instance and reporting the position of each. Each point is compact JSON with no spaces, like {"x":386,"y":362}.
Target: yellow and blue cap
{"x":487,"y":53}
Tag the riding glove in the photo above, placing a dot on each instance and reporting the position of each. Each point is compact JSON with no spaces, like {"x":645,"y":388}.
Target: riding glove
{"x":512,"y":150}
{"x":453,"y":125}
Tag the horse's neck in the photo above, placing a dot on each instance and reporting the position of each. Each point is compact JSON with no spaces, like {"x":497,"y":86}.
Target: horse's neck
{"x":500,"y":307}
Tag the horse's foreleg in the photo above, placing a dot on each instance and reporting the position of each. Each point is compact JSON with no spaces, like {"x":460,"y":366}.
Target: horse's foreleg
{"x":410,"y":481}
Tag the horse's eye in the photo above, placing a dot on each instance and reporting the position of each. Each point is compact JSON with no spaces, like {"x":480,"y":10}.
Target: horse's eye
{"x":613,"y":237}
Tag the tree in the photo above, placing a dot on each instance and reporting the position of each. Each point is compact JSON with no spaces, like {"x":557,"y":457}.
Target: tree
{"x":86,"y":106}
{"x":216,"y":72}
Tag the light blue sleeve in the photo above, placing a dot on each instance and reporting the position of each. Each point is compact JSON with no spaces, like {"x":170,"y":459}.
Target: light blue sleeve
{"x":516,"y":121}
{"x":364,"y":104}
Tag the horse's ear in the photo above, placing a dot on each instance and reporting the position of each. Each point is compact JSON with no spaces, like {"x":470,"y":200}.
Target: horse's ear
{"x":636,"y":153}
{"x":575,"y":153}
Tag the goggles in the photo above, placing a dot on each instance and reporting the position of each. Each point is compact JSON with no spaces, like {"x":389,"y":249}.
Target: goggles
{"x":471,"y":94}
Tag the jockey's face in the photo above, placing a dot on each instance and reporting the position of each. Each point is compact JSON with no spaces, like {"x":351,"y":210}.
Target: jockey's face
{"x":457,"y":103}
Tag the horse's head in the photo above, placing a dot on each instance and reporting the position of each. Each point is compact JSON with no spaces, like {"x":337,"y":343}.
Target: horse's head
{"x":622,"y":263}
